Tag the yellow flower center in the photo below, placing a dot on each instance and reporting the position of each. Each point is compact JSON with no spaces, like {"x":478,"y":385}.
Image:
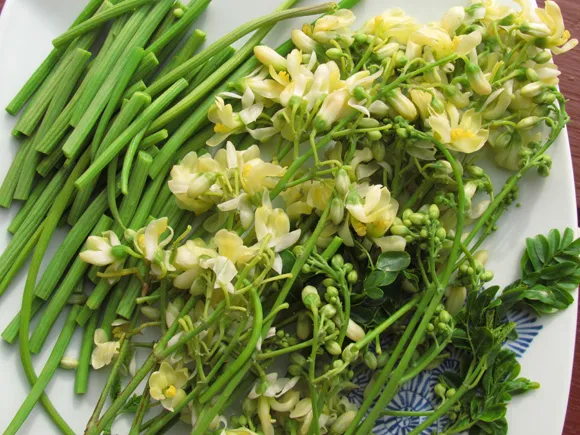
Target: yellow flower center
{"x":460,"y":133}
{"x":284,"y":76}
{"x":359,"y":227}
{"x":170,"y":392}
{"x":221,"y":128}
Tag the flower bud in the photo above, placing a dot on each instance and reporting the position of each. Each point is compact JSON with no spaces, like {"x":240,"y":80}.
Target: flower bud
{"x":531,"y":90}
{"x":151,"y":313}
{"x":332,"y":292}
{"x":418,"y":218}
{"x":455,"y":300}
{"x":378,"y":108}
{"x":477,"y":79}
{"x":178,"y":12}
{"x":370,"y":360}
{"x":328,"y":311}
{"x":475,"y":171}
{"x":334,"y":53}
{"x":401,"y":59}
{"x":354,"y":331}
{"x":379,"y":151}
{"x":294,"y":369}
{"x":337,"y":211}
{"x":450,"y":393}
{"x":201,"y":184}
{"x":374,"y":135}
{"x":402,"y":105}
{"x":369,"y":123}
{"x":440,"y":390}
{"x":342,"y":423}
{"x":387,"y":50}
{"x":400,"y":230}
{"x":303,"y":326}
{"x":532,"y":75}
{"x":456,"y":97}
{"x":437,"y":105}
{"x":434,"y":211}
{"x":528,"y":122}
{"x":298,"y":359}
{"x":69,"y":363}
{"x":333,"y":348}
{"x":545,"y":98}
{"x":342,"y":182}
{"x":302,"y":41}
{"x":350,"y":353}
{"x":361,"y":38}
{"x":352,"y":277}
{"x":269,"y":57}
{"x":543,"y":57}
{"x":337,"y":261}
{"x":444,"y":316}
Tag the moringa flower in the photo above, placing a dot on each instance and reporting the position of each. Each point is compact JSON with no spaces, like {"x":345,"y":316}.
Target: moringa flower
{"x":459,"y":132}
{"x":392,"y":25}
{"x":193,"y":177}
{"x":147,"y":240}
{"x":372,"y":209}
{"x":334,"y":26}
{"x":269,"y":57}
{"x":100,"y":250}
{"x":276,"y":387}
{"x":166,"y":385}
{"x":273,"y":227}
{"x":105,"y":351}
{"x":439,"y":40}
{"x":231,"y":246}
{"x":550,"y":29}
{"x":224,"y":269}
{"x":257,"y":175}
{"x":304,"y":42}
{"x":227,"y":122}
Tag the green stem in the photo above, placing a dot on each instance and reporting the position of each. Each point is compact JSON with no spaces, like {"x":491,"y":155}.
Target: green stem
{"x":232,"y":37}
{"x":246,"y":353}
{"x":370,"y":336}
{"x":97,"y":20}
{"x":139,"y":124}
{"x":37,"y":391}
{"x":51,"y":222}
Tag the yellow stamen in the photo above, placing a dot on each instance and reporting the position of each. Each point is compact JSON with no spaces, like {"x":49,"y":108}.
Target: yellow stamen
{"x":170,"y":392}
{"x":221,"y":128}
{"x":460,"y":133}
{"x":359,"y":227}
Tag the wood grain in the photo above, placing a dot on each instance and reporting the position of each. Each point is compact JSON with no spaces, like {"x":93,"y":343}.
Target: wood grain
{"x":569,"y":63}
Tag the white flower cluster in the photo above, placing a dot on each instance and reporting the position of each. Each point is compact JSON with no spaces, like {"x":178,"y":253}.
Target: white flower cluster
{"x":286,"y":398}
{"x":222,"y":257}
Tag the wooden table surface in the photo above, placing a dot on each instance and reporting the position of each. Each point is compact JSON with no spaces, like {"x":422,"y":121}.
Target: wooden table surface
{"x":569,"y":63}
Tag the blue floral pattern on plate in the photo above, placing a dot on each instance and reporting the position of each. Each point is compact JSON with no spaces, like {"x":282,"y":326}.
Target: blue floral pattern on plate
{"x":418,"y":395}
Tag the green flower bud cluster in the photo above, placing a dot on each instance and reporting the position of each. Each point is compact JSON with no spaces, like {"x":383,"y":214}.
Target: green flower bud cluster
{"x":283,"y":339}
{"x":472,"y":275}
{"x":297,"y":364}
{"x":441,"y":323}
{"x":421,"y":227}
{"x":544,"y":165}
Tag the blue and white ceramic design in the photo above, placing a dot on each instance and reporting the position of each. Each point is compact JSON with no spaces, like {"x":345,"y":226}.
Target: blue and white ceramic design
{"x":418,"y":395}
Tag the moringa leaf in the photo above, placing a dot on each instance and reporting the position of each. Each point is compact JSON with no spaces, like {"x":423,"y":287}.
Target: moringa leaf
{"x":393,"y":261}
{"x":374,"y":292}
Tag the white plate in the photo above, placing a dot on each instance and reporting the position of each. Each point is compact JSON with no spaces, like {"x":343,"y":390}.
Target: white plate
{"x":26,"y":29}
